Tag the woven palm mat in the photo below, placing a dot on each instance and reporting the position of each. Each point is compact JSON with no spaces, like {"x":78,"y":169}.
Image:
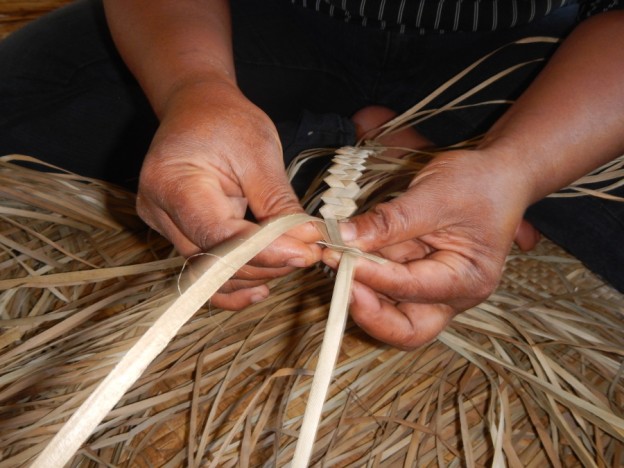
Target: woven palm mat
{"x":531,"y":377}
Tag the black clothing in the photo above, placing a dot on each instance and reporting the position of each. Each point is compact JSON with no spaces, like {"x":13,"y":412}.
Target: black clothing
{"x":449,"y":15}
{"x":67,"y":97}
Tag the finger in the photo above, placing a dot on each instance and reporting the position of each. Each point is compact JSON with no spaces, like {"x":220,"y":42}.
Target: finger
{"x":197,"y":231}
{"x":388,"y":223}
{"x":368,"y":120}
{"x":288,"y":251}
{"x":298,"y":246}
{"x":240,"y":299}
{"x":406,"y":325}
{"x":278,"y":259}
{"x":159,"y":221}
{"x":236,"y":284}
{"x":268,"y":189}
{"x":195,"y":215}
{"x":270,"y":195}
{"x":526,"y":236}
{"x":443,"y":277}
{"x":308,"y":233}
{"x":407,"y":251}
{"x":253,"y":273}
{"x":246,"y":277}
{"x":205,"y":215}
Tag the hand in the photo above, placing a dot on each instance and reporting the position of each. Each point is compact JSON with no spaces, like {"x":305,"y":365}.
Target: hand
{"x":214,"y":155}
{"x":446,"y":239}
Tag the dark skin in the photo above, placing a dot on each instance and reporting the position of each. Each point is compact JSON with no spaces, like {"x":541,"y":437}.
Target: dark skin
{"x":215,"y":153}
{"x":448,"y":248}
{"x":446,"y":238}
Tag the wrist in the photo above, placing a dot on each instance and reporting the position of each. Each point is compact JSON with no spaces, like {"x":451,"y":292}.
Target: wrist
{"x":527,"y":176}
{"x":195,"y":92}
{"x":499,"y":181}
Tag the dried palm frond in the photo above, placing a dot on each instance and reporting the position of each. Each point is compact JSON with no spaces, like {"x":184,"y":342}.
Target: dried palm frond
{"x":531,"y":376}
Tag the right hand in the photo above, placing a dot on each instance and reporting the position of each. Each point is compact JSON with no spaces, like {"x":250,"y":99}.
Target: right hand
{"x":215,"y":155}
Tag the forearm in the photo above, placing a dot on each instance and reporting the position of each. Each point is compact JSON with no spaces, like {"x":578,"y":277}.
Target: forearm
{"x":570,"y":120}
{"x":173,"y":45}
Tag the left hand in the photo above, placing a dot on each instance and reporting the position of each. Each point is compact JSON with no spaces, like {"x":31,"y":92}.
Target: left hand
{"x":445,"y":239}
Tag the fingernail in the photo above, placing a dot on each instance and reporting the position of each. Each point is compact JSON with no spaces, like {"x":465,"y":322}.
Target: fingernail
{"x":257,"y":298}
{"x":352,"y":293}
{"x":348,"y":231}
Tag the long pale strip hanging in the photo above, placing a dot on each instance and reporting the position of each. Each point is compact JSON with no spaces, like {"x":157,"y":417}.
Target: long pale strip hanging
{"x":339,"y":203}
{"x":86,"y":418}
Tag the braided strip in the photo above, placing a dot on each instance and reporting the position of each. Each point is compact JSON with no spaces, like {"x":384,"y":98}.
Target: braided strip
{"x":339,"y":199}
{"x":339,"y":204}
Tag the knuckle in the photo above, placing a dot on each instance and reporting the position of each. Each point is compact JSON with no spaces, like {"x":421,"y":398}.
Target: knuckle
{"x":417,"y":338}
{"x":406,"y":290}
{"x":278,"y":198}
{"x":384,"y":219}
{"x":389,"y":220}
{"x":409,"y":344}
{"x":483,"y":283}
{"x":411,"y":337}
{"x":206,"y":237}
{"x":485,"y":291}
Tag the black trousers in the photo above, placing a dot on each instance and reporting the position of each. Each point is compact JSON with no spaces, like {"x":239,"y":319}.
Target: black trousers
{"x":66,"y":96}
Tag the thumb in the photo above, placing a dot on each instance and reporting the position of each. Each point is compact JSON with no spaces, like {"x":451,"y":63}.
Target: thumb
{"x":526,"y":236}
{"x":269,"y":195}
{"x":268,"y":190}
{"x":387,"y":224}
